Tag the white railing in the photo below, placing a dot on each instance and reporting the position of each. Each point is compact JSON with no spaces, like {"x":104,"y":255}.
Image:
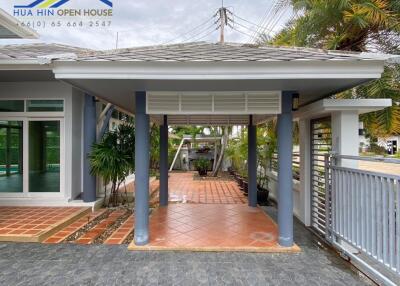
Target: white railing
{"x":364,"y":210}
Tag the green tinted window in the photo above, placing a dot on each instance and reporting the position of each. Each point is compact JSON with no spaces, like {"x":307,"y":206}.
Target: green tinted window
{"x":11,"y":106}
{"x":45,"y":105}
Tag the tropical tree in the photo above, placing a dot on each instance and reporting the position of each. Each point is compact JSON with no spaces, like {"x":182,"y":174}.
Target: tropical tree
{"x":113,"y":159}
{"x":352,"y":25}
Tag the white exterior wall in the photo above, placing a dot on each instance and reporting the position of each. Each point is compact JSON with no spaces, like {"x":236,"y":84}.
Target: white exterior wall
{"x":71,"y":136}
{"x":273,"y":187}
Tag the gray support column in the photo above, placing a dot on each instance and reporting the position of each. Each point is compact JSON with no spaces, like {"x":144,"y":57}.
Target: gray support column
{"x":252,"y":163}
{"x":285,"y":179}
{"x":142,"y":164}
{"x":164,"y":163}
{"x":89,"y":138}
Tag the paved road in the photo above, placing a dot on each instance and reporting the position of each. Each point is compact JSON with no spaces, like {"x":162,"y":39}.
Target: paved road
{"x":69,"y":264}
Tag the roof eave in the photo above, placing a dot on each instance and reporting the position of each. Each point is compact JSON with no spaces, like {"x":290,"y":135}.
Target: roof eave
{"x":15,"y":27}
{"x":363,"y":69}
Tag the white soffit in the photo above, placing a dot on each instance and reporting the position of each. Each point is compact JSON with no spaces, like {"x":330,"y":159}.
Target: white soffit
{"x":328,"y":106}
{"x":214,"y":103}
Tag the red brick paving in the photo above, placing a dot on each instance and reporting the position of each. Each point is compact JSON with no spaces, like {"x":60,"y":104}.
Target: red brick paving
{"x":119,"y":236}
{"x":100,"y":228}
{"x":72,"y":228}
{"x":34,"y":223}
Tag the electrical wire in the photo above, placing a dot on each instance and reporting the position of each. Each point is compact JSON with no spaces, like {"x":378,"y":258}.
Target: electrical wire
{"x":243,"y":26}
{"x":264,"y":20}
{"x":206,"y":35}
{"x":243,"y":19}
{"x":191,"y":30}
{"x":199,"y":33}
{"x":237,"y":30}
{"x":270,"y":24}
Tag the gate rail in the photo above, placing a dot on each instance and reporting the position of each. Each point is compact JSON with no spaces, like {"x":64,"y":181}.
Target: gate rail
{"x":363,"y":209}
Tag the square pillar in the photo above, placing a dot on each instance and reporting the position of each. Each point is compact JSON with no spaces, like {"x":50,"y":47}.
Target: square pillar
{"x":345,"y":136}
{"x":142,"y":164}
{"x":164,"y":162}
{"x":252,"y":163}
{"x":305,"y":170}
{"x":285,"y":173}
{"x":89,"y":138}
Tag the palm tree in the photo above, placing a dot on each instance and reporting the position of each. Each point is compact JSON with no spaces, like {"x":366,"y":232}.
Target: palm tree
{"x":352,"y":25}
{"x":113,"y":159}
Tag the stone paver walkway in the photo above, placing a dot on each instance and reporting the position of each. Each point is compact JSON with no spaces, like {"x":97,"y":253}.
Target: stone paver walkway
{"x":71,"y":264}
{"x":212,"y":227}
{"x":35,"y":224}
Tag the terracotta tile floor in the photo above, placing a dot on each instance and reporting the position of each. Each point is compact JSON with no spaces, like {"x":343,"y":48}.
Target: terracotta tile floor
{"x":212,"y":227}
{"x":34,"y":224}
{"x":184,"y":188}
{"x":73,"y":227}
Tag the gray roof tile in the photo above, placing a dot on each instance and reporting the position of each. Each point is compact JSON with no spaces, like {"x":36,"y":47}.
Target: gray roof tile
{"x":209,"y":52}
{"x":186,"y":52}
{"x":32,"y":51}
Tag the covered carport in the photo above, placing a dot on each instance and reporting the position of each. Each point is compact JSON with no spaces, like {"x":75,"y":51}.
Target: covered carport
{"x":214,"y":84}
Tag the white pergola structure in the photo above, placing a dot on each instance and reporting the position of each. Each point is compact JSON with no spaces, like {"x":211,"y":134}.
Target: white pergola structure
{"x":214,"y":84}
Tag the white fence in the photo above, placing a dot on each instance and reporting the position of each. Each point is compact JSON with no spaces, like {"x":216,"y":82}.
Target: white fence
{"x":364,"y":210}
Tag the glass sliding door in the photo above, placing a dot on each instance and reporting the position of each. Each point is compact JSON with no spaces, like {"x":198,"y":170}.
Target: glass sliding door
{"x":44,"y":156}
{"x":11,"y":156}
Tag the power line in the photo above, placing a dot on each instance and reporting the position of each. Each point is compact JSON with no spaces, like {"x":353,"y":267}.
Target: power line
{"x":201,"y":32}
{"x":264,"y":19}
{"x":191,"y":30}
{"x":206,"y":35}
{"x":243,"y":26}
{"x":244,"y":33}
{"x":240,"y":18}
{"x":271,"y":23}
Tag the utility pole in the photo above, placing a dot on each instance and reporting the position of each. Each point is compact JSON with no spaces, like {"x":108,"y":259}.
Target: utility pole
{"x":223,"y":22}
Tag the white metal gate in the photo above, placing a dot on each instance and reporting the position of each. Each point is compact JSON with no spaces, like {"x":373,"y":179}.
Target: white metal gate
{"x":364,"y":212}
{"x":321,"y":144}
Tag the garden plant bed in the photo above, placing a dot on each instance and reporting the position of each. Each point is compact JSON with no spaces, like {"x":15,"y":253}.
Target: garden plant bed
{"x":223,"y":176}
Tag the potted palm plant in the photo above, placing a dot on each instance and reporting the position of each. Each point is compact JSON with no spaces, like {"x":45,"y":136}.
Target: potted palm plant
{"x":202,"y":165}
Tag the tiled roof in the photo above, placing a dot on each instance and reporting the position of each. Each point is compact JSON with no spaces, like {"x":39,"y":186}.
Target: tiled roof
{"x":186,"y":52}
{"x":209,"y":52}
{"x":32,"y":51}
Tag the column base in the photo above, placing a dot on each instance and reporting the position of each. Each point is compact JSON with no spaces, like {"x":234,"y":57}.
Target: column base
{"x":141,"y":239}
{"x":286,"y":241}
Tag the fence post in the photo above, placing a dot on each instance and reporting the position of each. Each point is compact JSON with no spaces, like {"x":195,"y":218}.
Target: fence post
{"x":328,"y":210}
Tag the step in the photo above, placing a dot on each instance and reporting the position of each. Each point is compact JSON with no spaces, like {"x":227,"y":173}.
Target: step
{"x":121,"y":233}
{"x":97,"y":230}
{"x":68,"y":230}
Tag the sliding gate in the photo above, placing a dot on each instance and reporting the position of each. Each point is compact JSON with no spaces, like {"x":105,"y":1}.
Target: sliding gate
{"x":363,"y":212}
{"x":321,"y":144}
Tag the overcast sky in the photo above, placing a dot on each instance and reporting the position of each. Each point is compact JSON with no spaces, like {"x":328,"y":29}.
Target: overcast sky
{"x":150,"y":22}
